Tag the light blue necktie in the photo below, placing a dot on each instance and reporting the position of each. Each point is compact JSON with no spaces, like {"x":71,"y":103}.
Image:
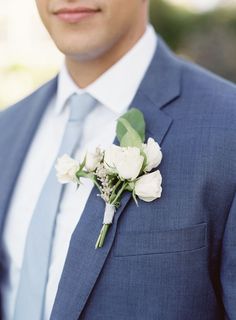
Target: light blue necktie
{"x":34,"y":273}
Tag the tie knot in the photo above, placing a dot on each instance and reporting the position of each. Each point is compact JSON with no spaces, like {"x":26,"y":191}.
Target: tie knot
{"x":80,"y":106}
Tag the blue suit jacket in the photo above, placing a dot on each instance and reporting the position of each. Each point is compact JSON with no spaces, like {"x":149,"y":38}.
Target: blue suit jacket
{"x":171,"y":259}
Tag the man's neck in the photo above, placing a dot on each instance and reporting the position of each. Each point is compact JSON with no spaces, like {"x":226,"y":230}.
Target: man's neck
{"x":87,"y":71}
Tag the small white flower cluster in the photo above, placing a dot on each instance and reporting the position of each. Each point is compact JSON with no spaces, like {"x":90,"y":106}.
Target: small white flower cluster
{"x":102,"y":176}
{"x":125,"y":162}
{"x":129,"y":162}
{"x":93,"y":159}
{"x":66,"y":168}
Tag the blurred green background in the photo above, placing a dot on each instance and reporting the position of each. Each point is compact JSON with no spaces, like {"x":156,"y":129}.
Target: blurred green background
{"x":206,"y":37}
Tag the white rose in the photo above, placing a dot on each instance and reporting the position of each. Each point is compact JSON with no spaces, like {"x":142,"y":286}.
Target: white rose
{"x":92,"y":160}
{"x":66,"y":168}
{"x":127,"y":162}
{"x":110,"y":156}
{"x":148,"y":187}
{"x":153,"y":154}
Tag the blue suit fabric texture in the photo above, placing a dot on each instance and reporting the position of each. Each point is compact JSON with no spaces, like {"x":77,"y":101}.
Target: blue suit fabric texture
{"x":173,"y":258}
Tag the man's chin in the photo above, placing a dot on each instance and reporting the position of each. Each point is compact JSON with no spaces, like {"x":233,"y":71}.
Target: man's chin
{"x":73,"y":52}
{"x":78,"y":55}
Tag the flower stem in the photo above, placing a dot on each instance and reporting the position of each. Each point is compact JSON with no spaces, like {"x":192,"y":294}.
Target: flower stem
{"x":102,"y":236}
{"x":89,"y":176}
{"x":113,"y":195}
{"x":125,"y":184}
{"x":105,"y":227}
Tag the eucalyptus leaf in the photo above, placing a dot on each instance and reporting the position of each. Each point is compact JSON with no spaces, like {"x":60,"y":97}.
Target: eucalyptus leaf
{"x":131,"y":138}
{"x":136,"y":120}
{"x":130,"y":141}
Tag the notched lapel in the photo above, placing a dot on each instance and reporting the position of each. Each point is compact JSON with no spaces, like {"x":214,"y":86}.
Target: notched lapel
{"x":157,"y":122}
{"x":84,"y":263}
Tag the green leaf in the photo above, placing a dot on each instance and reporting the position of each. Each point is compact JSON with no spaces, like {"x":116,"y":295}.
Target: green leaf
{"x":80,"y":174}
{"x":82,"y":165}
{"x":130,"y":186}
{"x":89,"y":175}
{"x":131,"y":138}
{"x":136,"y":120}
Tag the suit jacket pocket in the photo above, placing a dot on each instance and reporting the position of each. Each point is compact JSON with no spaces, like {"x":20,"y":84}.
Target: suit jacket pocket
{"x":178,"y":240}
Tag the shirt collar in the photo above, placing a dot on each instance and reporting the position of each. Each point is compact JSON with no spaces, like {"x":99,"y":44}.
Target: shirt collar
{"x":116,"y":87}
{"x":66,"y":87}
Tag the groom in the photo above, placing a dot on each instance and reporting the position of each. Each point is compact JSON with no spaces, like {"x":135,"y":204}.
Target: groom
{"x":171,"y":259}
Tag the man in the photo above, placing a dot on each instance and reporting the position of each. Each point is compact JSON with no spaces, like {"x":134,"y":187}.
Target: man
{"x":173,"y":258}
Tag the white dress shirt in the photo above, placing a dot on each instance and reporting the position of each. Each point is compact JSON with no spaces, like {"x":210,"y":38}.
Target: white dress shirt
{"x":114,"y":90}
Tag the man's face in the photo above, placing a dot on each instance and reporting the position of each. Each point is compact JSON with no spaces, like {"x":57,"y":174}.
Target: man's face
{"x":87,"y":29}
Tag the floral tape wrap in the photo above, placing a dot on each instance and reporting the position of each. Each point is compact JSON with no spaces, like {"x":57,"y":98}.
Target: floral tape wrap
{"x":109,"y":213}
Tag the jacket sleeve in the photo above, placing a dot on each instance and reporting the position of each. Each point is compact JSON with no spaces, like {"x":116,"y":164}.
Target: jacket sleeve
{"x":228,"y":265}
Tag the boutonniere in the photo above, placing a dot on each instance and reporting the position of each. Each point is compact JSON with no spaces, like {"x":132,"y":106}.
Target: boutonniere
{"x":119,"y":169}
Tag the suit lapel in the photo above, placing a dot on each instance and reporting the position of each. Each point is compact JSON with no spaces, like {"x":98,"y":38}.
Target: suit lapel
{"x":18,"y":125}
{"x":83,"y":265}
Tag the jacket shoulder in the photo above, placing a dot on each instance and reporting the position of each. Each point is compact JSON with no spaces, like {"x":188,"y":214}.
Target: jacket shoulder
{"x":12,"y":110}
{"x":208,"y":88}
